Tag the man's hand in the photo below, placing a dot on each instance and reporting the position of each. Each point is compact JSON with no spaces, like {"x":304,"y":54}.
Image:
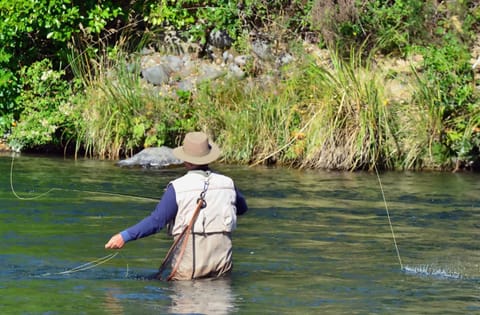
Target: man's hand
{"x":115,"y":242}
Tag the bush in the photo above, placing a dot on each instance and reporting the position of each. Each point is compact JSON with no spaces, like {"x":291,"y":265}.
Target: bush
{"x":448,"y":77}
{"x":387,"y":26}
{"x":31,"y":31}
{"x":46,"y":108}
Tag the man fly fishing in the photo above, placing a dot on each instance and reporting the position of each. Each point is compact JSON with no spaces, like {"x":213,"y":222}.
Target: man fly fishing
{"x":202,"y":208}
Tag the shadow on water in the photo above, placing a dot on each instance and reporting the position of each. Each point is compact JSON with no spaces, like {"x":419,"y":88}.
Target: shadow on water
{"x":313,"y":242}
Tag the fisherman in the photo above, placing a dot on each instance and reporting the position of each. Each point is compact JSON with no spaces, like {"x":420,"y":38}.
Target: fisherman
{"x":211,"y":199}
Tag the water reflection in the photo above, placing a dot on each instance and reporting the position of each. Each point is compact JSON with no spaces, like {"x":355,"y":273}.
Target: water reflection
{"x":111,"y":303}
{"x":202,"y":297}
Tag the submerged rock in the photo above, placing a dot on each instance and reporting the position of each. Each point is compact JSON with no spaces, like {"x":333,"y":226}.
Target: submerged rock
{"x":152,"y":157}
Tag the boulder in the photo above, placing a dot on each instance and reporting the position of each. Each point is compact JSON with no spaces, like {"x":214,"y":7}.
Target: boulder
{"x":152,"y":157}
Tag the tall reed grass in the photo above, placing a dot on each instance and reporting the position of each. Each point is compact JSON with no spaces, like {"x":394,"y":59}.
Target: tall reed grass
{"x":116,"y":111}
{"x":252,"y":119}
{"x":353,"y":126}
{"x":337,"y":114}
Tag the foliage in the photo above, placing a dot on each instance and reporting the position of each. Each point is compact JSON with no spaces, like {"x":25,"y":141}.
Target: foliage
{"x":9,"y":90}
{"x":31,"y":31}
{"x":334,"y":114}
{"x":254,"y":120}
{"x":119,"y":116}
{"x":195,"y":19}
{"x":351,"y":126}
{"x":449,"y":78}
{"x":45,"y":98}
{"x":337,"y":117}
{"x":397,"y":24}
{"x":386,"y":26}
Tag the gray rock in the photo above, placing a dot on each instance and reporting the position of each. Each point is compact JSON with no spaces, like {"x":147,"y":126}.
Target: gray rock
{"x":174,"y":63}
{"x":209,"y":72}
{"x":262,"y":49}
{"x":156,"y":75}
{"x":166,"y":74}
{"x":187,"y":85}
{"x":152,"y":157}
{"x":235,"y":71}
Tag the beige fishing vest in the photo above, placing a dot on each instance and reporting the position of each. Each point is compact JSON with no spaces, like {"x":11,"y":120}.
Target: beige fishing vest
{"x":218,"y":216}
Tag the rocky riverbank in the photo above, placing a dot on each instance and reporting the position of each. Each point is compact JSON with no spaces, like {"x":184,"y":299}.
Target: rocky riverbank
{"x":183,"y":68}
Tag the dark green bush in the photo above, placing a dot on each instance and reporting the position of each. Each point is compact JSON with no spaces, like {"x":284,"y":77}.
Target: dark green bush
{"x":448,"y":74}
{"x":31,"y":31}
{"x":46,"y":115}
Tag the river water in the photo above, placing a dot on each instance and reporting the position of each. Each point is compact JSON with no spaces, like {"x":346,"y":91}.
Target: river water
{"x":313,"y":242}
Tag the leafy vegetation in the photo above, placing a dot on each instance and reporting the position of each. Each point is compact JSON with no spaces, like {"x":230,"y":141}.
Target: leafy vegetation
{"x":66,"y":81}
{"x":45,"y":101}
{"x":40,"y":31}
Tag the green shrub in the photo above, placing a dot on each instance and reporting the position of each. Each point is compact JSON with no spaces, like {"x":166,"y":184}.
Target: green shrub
{"x":386,"y":26}
{"x":46,"y":108}
{"x":9,"y":91}
{"x":31,"y":31}
{"x":449,"y":80}
{"x":195,"y":18}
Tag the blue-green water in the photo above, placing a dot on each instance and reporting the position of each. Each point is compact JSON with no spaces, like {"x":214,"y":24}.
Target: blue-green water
{"x":313,"y":242}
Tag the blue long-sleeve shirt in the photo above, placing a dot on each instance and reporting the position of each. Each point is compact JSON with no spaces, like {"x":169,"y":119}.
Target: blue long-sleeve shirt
{"x":164,"y":212}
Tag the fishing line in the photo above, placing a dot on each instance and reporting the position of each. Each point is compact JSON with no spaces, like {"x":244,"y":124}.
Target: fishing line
{"x":89,"y":265}
{"x":86,"y":266}
{"x":389,"y":220}
{"x":14,"y":192}
{"x":107,"y":193}
{"x":68,"y":189}
{"x":425,"y":270}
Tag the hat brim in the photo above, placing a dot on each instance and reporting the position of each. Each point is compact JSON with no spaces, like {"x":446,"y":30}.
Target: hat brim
{"x":213,"y":155}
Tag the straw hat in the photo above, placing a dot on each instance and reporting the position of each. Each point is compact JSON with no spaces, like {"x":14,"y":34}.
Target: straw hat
{"x":197,"y":149}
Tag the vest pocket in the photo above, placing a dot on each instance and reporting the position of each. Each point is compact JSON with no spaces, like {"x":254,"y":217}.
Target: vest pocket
{"x":229,"y":219}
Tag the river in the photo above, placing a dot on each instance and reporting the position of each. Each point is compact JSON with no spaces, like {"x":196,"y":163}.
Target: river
{"x":313,"y":242}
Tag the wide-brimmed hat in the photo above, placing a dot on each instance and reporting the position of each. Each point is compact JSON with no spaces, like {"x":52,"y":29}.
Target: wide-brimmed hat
{"x":196,"y":149}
